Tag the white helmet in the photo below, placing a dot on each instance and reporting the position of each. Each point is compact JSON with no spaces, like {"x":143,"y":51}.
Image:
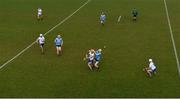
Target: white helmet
{"x":99,"y":50}
{"x":59,"y":36}
{"x":150,"y":60}
{"x":41,"y":35}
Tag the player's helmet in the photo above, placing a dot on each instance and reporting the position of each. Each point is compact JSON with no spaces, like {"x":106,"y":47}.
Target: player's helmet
{"x":41,"y":35}
{"x":99,"y":50}
{"x":92,"y":50}
{"x":150,"y":60}
{"x":59,"y":36}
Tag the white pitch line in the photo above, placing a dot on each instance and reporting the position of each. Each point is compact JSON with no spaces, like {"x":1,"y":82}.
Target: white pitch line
{"x":119,"y":18}
{"x":29,"y":46}
{"x":172,"y":36}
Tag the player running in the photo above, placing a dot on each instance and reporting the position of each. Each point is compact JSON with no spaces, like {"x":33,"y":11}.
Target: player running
{"x":151,"y":69}
{"x":134,"y":14}
{"x":39,"y":14}
{"x":102,"y":18}
{"x":41,"y":41}
{"x":97,"y":58}
{"x":90,"y":57}
{"x":58,"y":42}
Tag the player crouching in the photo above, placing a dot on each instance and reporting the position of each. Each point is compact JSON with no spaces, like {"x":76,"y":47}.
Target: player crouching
{"x":39,"y":14}
{"x":97,"y":58}
{"x":58,"y":42}
{"x":151,"y":69}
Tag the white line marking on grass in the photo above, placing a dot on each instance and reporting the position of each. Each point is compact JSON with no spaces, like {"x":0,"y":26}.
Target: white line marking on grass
{"x":172,"y":37}
{"x":29,"y":46}
{"x":119,"y":19}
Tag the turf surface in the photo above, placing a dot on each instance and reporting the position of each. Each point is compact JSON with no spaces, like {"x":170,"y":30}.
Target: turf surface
{"x":129,"y":45}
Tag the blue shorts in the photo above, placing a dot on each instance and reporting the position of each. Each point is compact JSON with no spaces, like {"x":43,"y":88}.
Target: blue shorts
{"x":154,"y":70}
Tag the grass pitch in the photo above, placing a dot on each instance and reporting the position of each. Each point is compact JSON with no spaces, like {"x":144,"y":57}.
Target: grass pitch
{"x":129,"y":45}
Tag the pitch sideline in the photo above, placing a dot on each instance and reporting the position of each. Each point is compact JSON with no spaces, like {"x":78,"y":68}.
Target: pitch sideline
{"x":172,"y":36}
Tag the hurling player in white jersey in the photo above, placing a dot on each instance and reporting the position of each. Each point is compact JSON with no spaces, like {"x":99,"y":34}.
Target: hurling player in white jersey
{"x":41,"y":41}
{"x":90,"y":57}
{"x":39,"y":14}
{"x":151,"y":69}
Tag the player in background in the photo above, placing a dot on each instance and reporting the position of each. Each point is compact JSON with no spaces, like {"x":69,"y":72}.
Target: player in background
{"x":90,"y":57}
{"x":39,"y":14}
{"x":41,"y":41}
{"x":134,"y":14}
{"x":151,"y":69}
{"x":58,"y":42}
{"x":97,"y":58}
{"x":102,"y":18}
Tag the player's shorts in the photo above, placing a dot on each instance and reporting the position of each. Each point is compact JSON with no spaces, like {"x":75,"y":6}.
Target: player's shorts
{"x":154,"y":70}
{"x":90,"y":61}
{"x":39,"y":14}
{"x":102,"y":21}
{"x":97,"y":60}
{"x":58,"y":45}
{"x":134,"y":15}
{"x":42,"y":45}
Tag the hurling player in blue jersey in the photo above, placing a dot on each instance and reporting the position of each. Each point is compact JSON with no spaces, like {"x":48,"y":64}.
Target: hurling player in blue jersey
{"x":58,"y":42}
{"x":102,"y":18}
{"x":97,"y":57}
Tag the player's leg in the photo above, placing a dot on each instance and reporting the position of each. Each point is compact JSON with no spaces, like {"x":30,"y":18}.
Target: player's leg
{"x":102,"y":22}
{"x":57,"y":50}
{"x":38,"y":16}
{"x":60,"y":49}
{"x":90,"y":64}
{"x":134,"y":17}
{"x":41,"y":17}
{"x":96,"y":64}
{"x":149,"y":72}
{"x":42,"y":48}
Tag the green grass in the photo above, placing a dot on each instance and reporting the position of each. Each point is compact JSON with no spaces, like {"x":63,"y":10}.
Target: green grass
{"x":128,"y":47}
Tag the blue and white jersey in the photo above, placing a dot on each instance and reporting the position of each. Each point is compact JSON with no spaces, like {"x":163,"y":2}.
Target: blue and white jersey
{"x":58,"y":41}
{"x":103,"y":17}
{"x":152,"y":66}
{"x":41,"y":40}
{"x":97,"y":55}
{"x":91,"y":56}
{"x":39,"y":11}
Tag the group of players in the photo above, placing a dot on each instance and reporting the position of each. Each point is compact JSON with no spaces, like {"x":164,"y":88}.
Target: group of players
{"x":58,"y":43}
{"x":93,"y":57}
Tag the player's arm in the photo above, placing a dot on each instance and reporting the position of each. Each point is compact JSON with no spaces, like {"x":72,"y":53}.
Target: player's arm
{"x":62,"y":43}
{"x":100,"y":17}
{"x":37,"y":40}
{"x":55,"y":41}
